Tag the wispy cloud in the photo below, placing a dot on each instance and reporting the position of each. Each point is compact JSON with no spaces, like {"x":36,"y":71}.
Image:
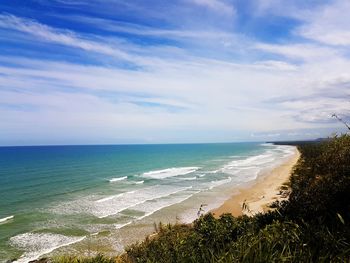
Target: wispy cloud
{"x":309,"y":52}
{"x":141,"y":30}
{"x":62,"y":37}
{"x":328,"y":24}
{"x":216,"y":5}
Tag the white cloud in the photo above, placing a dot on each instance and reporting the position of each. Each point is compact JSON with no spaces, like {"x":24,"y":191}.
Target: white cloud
{"x":276,"y":65}
{"x":310,"y":52}
{"x":329,"y":24}
{"x":216,"y":5}
{"x":326,"y":22}
{"x":63,"y":37}
{"x":141,"y":30}
{"x":206,"y":89}
{"x":175,"y":92}
{"x":266,"y":135}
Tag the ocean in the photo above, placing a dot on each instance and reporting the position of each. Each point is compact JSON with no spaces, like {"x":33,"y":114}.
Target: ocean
{"x":84,"y":199}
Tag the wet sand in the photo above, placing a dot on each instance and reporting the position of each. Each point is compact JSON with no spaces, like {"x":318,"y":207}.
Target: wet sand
{"x":257,"y":196}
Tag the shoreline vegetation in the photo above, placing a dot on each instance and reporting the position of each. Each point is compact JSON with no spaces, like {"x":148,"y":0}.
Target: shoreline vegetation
{"x":311,"y":225}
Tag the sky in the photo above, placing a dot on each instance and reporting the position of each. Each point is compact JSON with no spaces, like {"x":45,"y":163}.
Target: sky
{"x":180,"y":71}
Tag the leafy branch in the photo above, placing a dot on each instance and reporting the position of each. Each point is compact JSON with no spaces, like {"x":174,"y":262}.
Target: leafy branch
{"x":341,"y":120}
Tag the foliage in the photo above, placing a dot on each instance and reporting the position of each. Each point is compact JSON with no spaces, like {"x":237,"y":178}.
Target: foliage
{"x":71,"y":259}
{"x":321,"y":181}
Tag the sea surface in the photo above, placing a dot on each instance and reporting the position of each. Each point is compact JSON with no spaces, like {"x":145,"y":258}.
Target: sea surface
{"x":84,"y":199}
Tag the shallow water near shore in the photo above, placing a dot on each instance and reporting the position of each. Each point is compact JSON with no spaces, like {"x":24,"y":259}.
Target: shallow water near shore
{"x":83,"y":199}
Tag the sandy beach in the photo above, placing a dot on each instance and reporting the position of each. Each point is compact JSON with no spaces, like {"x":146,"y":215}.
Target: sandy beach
{"x":256,"y":197}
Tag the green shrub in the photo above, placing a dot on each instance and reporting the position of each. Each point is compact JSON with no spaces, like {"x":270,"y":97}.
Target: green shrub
{"x":71,"y":259}
{"x":321,"y":181}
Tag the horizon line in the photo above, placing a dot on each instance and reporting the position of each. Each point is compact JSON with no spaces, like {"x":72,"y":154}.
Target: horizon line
{"x":136,"y":144}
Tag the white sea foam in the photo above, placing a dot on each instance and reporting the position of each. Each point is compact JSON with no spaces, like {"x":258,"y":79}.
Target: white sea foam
{"x":236,"y":166}
{"x":139,"y":182}
{"x":139,"y":197}
{"x":5,"y":219}
{"x":117,"y":179}
{"x":170,"y":172}
{"x":267,"y":144}
{"x":112,"y":205}
{"x":150,"y":208}
{"x":249,"y":167}
{"x":119,"y":226}
{"x":287,"y":150}
{"x":38,"y":244}
{"x":219,"y":182}
{"x":213,"y":172}
{"x":113,"y":197}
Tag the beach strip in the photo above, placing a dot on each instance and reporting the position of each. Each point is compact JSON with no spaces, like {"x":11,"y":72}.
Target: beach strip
{"x":255,"y":197}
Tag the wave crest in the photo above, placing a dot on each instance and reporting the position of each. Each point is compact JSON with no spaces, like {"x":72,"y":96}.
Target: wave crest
{"x":117,"y":179}
{"x":2,"y":220}
{"x":170,"y":172}
{"x":38,"y":244}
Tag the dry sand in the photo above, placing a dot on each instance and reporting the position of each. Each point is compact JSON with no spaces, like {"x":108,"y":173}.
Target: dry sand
{"x":256,"y":197}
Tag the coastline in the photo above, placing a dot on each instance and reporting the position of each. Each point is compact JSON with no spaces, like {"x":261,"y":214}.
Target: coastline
{"x":256,"y":196}
{"x":118,"y":232}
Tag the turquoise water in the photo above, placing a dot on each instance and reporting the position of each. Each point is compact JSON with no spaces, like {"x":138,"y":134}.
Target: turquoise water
{"x":53,"y":196}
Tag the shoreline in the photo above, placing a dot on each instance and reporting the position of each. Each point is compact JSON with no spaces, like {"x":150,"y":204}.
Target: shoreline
{"x":255,"y":197}
{"x":111,"y":241}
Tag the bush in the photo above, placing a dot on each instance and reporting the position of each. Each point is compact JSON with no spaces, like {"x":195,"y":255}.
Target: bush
{"x":321,"y":181}
{"x":96,"y":259}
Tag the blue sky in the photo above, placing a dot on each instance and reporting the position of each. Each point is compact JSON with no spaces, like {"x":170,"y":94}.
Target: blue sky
{"x":155,"y":71}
